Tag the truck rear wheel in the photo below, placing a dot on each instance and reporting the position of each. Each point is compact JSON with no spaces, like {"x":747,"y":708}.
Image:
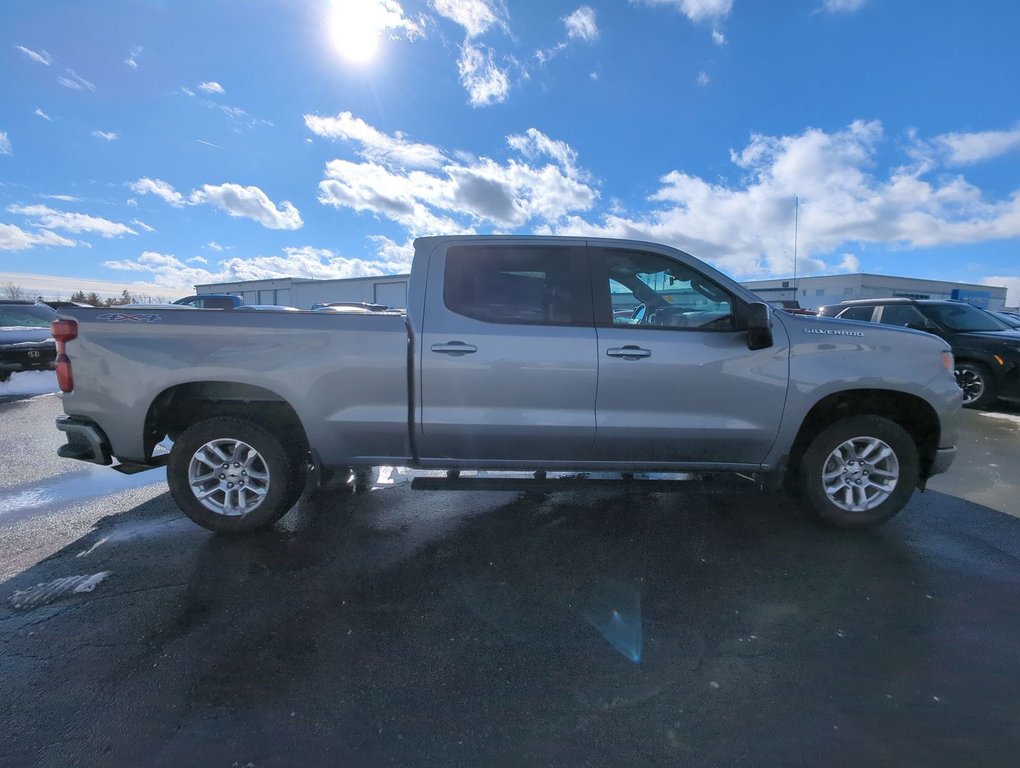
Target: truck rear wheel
{"x":230,"y":475}
{"x":859,"y":472}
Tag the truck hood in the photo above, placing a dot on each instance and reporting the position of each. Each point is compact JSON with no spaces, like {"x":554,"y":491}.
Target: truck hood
{"x":806,"y":328}
{"x":993,"y":336}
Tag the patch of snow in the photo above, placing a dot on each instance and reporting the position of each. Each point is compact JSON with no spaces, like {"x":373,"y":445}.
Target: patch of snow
{"x":30,"y":383}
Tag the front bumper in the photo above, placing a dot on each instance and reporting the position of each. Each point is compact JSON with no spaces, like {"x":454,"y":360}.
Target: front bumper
{"x":18,"y":358}
{"x":85,"y":440}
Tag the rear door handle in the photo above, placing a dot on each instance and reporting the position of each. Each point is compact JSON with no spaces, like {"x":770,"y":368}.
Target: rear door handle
{"x":629,"y":352}
{"x":454,"y":348}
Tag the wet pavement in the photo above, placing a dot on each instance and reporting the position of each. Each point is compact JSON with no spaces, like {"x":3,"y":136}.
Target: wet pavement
{"x":604,"y":628}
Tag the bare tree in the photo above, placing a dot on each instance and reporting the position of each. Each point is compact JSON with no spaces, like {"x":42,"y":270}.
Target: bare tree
{"x":11,"y":290}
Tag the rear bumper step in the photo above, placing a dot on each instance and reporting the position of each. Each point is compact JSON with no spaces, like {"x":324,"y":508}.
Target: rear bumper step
{"x":85,"y":441}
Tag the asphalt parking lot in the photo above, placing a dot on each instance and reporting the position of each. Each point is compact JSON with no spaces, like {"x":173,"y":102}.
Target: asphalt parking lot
{"x":709,"y":626}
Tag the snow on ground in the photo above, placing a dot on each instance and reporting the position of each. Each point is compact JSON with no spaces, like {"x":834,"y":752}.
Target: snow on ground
{"x":30,"y":383}
{"x":1005,"y":416}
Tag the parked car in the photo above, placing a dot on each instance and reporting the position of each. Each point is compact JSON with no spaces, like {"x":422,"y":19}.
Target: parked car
{"x":511,"y":357}
{"x":351,"y":306}
{"x":267,"y":308}
{"x":211,"y":301}
{"x":1012,"y":319}
{"x":986,"y":349}
{"x":26,"y":343}
{"x":58,"y":304}
{"x":792,"y":306}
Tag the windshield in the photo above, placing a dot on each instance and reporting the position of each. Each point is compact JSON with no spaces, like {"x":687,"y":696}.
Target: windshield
{"x":27,"y":316}
{"x":962,"y":318}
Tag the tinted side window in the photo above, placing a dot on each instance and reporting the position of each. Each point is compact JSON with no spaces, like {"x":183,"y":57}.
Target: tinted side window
{"x":518,"y":284}
{"x":650,"y":290}
{"x":901,"y":315}
{"x":857,"y":313}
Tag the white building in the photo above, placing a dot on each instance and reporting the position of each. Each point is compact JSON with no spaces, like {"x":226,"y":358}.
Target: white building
{"x":302,"y":293}
{"x":810,"y":292}
{"x":814,"y":292}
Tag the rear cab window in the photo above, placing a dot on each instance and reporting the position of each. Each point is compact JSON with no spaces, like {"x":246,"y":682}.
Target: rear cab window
{"x":529,"y":284}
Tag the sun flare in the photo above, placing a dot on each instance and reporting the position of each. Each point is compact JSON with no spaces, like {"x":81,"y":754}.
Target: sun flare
{"x":355,"y":27}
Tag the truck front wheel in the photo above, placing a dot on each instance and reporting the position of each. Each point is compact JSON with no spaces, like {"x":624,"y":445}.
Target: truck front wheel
{"x":230,"y":475}
{"x":859,"y":471}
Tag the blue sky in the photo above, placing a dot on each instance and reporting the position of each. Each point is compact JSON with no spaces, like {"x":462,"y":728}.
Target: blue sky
{"x":156,"y":144}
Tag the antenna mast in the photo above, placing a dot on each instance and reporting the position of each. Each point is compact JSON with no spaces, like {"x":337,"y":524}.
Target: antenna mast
{"x":796,"y":222}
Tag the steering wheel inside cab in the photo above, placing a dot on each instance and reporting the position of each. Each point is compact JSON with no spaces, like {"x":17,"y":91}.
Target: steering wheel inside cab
{"x":665,"y":315}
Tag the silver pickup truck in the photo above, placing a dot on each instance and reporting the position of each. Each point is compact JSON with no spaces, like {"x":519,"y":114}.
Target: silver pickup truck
{"x":537,"y":354}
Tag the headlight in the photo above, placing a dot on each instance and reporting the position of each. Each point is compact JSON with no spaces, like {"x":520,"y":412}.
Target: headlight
{"x":948,"y":362}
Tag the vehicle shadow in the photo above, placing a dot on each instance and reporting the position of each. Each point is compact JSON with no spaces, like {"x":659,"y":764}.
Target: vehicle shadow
{"x":600,"y":628}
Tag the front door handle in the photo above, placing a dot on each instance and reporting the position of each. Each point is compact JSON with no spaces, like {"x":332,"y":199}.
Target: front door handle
{"x":454,"y":348}
{"x":629,"y":352}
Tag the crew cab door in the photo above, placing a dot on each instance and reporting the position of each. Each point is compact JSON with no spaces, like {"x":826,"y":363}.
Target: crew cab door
{"x":507,"y":355}
{"x":677,"y":382}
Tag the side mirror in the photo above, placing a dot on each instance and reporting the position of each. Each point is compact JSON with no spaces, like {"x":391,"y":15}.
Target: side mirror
{"x":759,"y":326}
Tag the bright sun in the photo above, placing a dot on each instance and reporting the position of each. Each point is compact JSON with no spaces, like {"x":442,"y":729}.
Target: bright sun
{"x":355,"y":26}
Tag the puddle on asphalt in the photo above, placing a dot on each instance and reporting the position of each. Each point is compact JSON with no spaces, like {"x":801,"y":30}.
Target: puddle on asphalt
{"x":71,"y":487}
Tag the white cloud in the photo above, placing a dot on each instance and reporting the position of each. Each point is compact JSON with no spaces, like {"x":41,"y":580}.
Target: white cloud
{"x":581,"y":25}
{"x":485,"y":82}
{"x":169,"y":273}
{"x":132,"y":59}
{"x":534,"y":144}
{"x":62,"y":198}
{"x":214,"y":246}
{"x":464,"y":192}
{"x":48,"y":218}
{"x":843,"y":6}
{"x":476,"y":16}
{"x":849,"y":263}
{"x":40,"y":56}
{"x":703,"y":78}
{"x":970,"y":148}
{"x":159,"y":188}
{"x":212,"y":87}
{"x":43,"y":115}
{"x":14,"y":238}
{"x":187,"y":91}
{"x":75,"y":82}
{"x":106,"y":135}
{"x":747,"y":226}
{"x":718,"y":37}
{"x":5,"y":145}
{"x":375,"y":144}
{"x":1012,"y":285}
{"x":702,"y":10}
{"x":250,"y":203}
{"x":143,"y":225}
{"x":246,"y":202}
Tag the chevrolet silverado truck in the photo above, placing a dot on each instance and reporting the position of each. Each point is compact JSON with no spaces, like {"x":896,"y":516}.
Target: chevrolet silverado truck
{"x":533,"y":354}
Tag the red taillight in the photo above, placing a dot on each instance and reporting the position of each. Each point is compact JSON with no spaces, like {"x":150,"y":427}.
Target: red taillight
{"x":63,"y":331}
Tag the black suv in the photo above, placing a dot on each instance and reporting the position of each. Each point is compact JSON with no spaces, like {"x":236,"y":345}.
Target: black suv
{"x":25,"y":340}
{"x":986,"y":349}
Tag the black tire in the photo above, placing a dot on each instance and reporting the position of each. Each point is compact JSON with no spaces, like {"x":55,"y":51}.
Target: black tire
{"x":859,"y":449}
{"x":977,"y":384}
{"x":274,"y":485}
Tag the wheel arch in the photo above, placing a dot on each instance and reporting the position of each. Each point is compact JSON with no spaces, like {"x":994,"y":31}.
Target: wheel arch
{"x":183,"y":405}
{"x":910,"y":412}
